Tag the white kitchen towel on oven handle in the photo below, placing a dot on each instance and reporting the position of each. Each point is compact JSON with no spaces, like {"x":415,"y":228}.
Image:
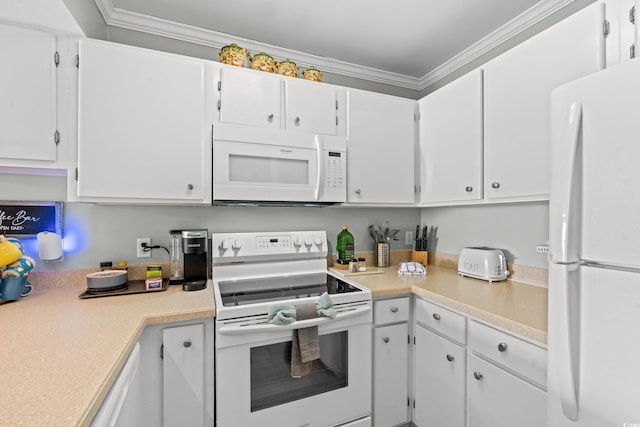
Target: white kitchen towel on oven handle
{"x":282,"y":314}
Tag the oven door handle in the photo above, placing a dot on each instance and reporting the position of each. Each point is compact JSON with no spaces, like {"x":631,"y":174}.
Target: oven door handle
{"x":263,"y":327}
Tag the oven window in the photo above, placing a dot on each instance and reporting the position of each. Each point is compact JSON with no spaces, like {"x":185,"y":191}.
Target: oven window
{"x":272,"y":170}
{"x":271,"y":381}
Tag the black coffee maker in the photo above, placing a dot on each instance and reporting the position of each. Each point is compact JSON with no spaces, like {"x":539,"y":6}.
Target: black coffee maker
{"x":192,"y":245}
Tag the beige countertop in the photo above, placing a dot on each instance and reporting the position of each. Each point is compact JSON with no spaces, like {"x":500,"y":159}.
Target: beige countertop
{"x":514,"y":306}
{"x":60,"y":354}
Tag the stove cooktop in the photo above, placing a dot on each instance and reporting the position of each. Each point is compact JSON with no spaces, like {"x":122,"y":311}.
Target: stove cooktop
{"x":269,"y":289}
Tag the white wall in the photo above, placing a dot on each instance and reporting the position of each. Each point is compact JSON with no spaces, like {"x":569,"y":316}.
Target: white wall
{"x":49,"y":14}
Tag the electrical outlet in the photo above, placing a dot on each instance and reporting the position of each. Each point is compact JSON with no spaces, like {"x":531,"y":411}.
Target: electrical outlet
{"x":408,"y":238}
{"x":140,"y":253}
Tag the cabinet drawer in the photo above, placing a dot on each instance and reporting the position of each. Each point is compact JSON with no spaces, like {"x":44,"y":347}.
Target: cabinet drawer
{"x":391,"y":311}
{"x":523,"y":357}
{"x":442,"y":320}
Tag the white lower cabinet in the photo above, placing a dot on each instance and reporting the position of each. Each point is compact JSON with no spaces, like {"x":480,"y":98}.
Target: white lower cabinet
{"x":177,"y":374}
{"x":497,"y":398}
{"x":505,"y":380}
{"x":439,"y":366}
{"x":391,"y":362}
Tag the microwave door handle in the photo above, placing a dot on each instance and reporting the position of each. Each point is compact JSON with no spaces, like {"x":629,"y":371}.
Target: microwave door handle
{"x":319,"y":152}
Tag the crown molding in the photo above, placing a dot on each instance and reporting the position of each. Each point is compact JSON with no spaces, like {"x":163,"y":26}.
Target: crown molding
{"x":520,"y":23}
{"x":148,"y":24}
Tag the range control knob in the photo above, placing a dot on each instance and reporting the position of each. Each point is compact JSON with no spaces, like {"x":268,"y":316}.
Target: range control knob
{"x":308,"y":242}
{"x":224,"y":245}
{"x":236,"y":245}
{"x":318,"y":242}
{"x":297,"y":242}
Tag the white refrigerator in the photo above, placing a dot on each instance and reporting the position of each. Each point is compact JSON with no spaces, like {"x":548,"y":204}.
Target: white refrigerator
{"x":594,"y":259}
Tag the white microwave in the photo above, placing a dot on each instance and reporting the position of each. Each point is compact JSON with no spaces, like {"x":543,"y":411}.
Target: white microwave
{"x":256,"y":165}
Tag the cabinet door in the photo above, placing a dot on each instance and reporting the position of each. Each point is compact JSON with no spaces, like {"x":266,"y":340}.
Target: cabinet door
{"x":143,"y":132}
{"x":183,"y":373}
{"x":451,"y":141}
{"x":390,"y":375}
{"x":380,"y":148}
{"x":250,"y":97}
{"x":439,"y":380}
{"x":517,"y":87}
{"x":499,"y":399}
{"x":28,"y":88}
{"x":310,"y":107}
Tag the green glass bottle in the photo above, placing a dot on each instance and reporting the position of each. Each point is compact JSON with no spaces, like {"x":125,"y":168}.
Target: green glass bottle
{"x":345,"y":246}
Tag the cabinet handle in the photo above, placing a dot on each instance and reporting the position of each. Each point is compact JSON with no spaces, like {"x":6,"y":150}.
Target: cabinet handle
{"x":386,"y":339}
{"x":190,"y":187}
{"x":436,"y":316}
{"x":502,"y":347}
{"x":358,"y":191}
{"x":450,"y":357}
{"x":297,"y":121}
{"x":394,"y":309}
{"x":187,"y":344}
{"x":270,"y":117}
{"x":495,"y":185}
{"x":468,"y":189}
{"x":477,"y":375}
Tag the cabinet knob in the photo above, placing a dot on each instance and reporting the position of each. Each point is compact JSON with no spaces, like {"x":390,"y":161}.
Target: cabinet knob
{"x":297,"y":121}
{"x":502,"y":346}
{"x":358,"y":191}
{"x":270,"y":117}
{"x":190,"y":187}
{"x":468,"y":189}
{"x":436,"y":316}
{"x":477,"y":375}
{"x":394,"y":309}
{"x":187,"y":344}
{"x":386,"y":339}
{"x":450,"y":357}
{"x":495,"y":185}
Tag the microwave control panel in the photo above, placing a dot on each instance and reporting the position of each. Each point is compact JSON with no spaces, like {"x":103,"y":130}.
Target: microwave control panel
{"x":335,"y":170}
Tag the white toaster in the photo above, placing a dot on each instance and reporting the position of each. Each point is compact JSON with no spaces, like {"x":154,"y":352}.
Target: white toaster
{"x":483,"y":263}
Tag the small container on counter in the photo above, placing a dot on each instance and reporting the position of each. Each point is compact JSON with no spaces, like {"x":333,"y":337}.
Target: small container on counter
{"x":362,"y":265}
{"x":353,"y":265}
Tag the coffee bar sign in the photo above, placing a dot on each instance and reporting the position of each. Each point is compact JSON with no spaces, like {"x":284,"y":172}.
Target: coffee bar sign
{"x":29,"y":219}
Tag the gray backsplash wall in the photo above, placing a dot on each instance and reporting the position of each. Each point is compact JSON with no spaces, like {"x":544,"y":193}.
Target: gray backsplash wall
{"x":97,"y":233}
{"x":516,"y":228}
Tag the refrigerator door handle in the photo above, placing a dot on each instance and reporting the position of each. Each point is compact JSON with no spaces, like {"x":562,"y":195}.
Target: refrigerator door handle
{"x":567,"y":181}
{"x":567,"y":342}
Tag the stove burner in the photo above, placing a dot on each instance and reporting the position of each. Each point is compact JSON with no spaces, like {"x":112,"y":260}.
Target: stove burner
{"x":252,"y":291}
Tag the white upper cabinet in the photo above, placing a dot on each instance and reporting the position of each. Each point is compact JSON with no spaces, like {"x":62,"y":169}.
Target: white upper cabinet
{"x":622,"y":41}
{"x":380,"y":148}
{"x":144,"y":125}
{"x":250,"y":97}
{"x":310,"y":106}
{"x":255,"y":98}
{"x":451,"y":142}
{"x":28,"y":84}
{"x":517,"y":85}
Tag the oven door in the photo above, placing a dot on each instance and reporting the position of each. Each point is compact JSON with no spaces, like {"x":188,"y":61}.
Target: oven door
{"x":255,"y":386}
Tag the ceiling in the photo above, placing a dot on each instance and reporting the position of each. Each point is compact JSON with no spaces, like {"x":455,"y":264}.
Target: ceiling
{"x":408,"y":43}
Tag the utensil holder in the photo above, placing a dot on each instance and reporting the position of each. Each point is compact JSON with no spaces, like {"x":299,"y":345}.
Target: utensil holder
{"x":382,"y":254}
